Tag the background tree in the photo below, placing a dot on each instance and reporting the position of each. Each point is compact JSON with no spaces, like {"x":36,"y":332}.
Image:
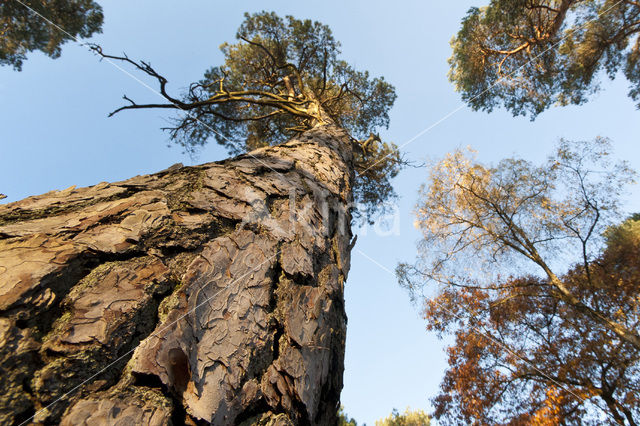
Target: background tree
{"x":408,"y":418}
{"x":344,"y":419}
{"x":23,"y":31}
{"x":283,"y":77}
{"x":530,"y":54}
{"x":531,"y":347}
{"x":522,"y":357}
{"x":475,"y":218}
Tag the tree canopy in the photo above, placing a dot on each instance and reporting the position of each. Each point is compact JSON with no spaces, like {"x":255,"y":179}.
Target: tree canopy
{"x":523,"y":357}
{"x":481,"y":221}
{"x":528,"y":55}
{"x":282,"y":77}
{"x":23,"y":31}
{"x":532,"y":344}
{"x":344,"y":419}
{"x":408,"y":418}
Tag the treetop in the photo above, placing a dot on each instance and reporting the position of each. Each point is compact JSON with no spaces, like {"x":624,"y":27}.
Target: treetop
{"x":284,"y":76}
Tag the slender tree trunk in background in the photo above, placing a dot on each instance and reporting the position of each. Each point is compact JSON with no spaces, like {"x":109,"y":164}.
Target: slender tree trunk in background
{"x":216,"y":289}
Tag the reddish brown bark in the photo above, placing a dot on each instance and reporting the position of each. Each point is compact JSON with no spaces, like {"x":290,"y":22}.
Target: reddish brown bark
{"x":198,"y":294}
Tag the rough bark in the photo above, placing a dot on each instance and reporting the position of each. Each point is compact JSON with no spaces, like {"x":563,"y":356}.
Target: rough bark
{"x":198,"y":294}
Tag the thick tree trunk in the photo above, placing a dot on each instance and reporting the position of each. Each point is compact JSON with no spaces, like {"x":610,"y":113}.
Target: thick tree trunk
{"x":198,"y":294}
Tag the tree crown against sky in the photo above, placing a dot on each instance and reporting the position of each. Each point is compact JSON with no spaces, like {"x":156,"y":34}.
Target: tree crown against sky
{"x":528,"y":55}
{"x":522,"y":356}
{"x":554,"y":213}
{"x":531,"y":347}
{"x":282,"y":77}
{"x":23,"y":31}
{"x":479,"y":222}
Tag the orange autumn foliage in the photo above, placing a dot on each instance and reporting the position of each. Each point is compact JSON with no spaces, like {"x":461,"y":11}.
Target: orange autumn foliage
{"x":523,"y":357}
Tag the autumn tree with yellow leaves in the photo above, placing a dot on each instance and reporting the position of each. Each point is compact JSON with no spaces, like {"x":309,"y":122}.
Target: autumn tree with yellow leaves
{"x":29,"y":25}
{"x":534,"y":342}
{"x":408,"y":418}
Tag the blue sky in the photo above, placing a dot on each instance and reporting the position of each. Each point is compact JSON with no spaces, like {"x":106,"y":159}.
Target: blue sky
{"x":55,"y":133}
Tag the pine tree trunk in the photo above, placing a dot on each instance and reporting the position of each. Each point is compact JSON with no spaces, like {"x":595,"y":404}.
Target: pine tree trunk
{"x":198,"y":294}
